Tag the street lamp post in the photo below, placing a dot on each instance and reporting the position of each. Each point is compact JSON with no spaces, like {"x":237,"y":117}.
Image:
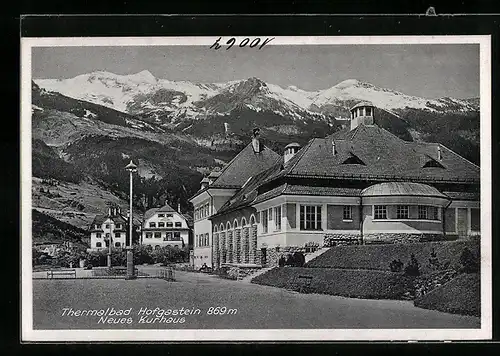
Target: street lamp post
{"x":110,"y":242}
{"x":132,"y":168}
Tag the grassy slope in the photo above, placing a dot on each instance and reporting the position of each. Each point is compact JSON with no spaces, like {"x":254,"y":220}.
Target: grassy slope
{"x":348,"y":283}
{"x":462,"y":295}
{"x":47,"y":229}
{"x":379,"y":257}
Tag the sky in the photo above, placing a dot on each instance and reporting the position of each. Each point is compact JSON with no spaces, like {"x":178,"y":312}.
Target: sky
{"x":425,"y":70}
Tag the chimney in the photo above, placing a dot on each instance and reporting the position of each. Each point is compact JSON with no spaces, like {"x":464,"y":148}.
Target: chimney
{"x":334,"y":148}
{"x":255,"y":140}
{"x":179,"y":207}
{"x":227,"y":129}
{"x":204,"y":182}
{"x":439,"y":153}
{"x":290,"y":150}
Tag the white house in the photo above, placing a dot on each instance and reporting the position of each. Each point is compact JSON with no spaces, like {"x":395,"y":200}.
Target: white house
{"x":164,"y":227}
{"x":110,"y":228}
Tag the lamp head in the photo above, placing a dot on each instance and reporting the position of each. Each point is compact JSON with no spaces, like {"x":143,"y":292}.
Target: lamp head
{"x":131,"y":167}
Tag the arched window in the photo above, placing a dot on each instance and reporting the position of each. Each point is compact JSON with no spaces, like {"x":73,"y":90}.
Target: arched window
{"x":252,"y":220}
{"x":98,"y":244}
{"x":221,"y":227}
{"x":215,"y":228}
{"x":228,"y":226}
{"x":243,"y":221}
{"x":235,"y":224}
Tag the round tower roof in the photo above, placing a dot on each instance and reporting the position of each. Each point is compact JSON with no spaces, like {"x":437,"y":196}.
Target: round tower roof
{"x":293,"y":144}
{"x":360,"y":104}
{"x":401,"y":188}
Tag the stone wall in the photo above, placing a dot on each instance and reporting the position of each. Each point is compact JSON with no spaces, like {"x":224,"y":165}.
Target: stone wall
{"x":401,"y":238}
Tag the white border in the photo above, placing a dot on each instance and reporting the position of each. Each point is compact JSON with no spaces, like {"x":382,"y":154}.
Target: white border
{"x":484,"y":333}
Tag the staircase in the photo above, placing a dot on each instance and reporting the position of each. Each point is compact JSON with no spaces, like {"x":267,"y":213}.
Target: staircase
{"x":318,"y":252}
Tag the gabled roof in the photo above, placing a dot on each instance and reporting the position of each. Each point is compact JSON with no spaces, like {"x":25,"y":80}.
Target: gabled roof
{"x":244,"y":165}
{"x":164,"y":209}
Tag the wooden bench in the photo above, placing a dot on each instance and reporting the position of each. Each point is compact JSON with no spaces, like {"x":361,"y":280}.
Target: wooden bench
{"x":63,"y":272}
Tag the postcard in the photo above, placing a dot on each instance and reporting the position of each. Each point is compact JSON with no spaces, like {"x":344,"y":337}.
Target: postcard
{"x":251,"y":188}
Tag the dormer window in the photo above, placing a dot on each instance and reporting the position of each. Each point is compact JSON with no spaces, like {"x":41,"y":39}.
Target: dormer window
{"x":169,"y":215}
{"x":432,"y":163}
{"x":161,"y":215}
{"x":353,"y":159}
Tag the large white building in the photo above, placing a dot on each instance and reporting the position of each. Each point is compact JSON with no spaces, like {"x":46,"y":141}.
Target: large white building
{"x":164,"y":227}
{"x":217,"y":189}
{"x":358,"y":185}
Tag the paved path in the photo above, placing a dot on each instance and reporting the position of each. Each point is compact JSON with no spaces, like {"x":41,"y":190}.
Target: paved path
{"x":248,"y":306}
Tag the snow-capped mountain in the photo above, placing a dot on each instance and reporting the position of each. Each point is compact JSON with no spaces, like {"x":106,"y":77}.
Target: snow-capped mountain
{"x":171,"y":102}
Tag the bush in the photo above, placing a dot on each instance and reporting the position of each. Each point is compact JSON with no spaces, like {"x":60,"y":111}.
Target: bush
{"x":413,"y":267}
{"x":470,"y":263}
{"x":379,"y":256}
{"x":296,"y":259}
{"x":396,"y":265}
{"x":347,"y":283}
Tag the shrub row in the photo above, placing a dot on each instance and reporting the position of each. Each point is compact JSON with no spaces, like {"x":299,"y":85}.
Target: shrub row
{"x":462,"y":295}
{"x":347,"y":283}
{"x":430,"y":255}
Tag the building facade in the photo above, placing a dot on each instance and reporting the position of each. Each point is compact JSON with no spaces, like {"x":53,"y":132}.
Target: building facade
{"x":218,"y":188}
{"x":109,"y":229}
{"x":360,"y":185}
{"x":164,"y":226}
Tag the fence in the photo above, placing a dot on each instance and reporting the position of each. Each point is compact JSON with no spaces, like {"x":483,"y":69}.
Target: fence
{"x":167,"y":273}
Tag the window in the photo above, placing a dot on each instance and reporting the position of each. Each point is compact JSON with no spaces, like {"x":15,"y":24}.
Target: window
{"x":161,"y":224}
{"x":177,"y":234}
{"x":98,"y":244}
{"x":169,"y":224}
{"x":207,"y":239}
{"x":107,"y":226}
{"x":347,"y":213}
{"x":161,"y":215}
{"x":368,"y":111}
{"x":402,"y":212}
{"x":118,"y":235}
{"x":107,"y":235}
{"x":168,"y":237}
{"x":157,"y":235}
{"x":169,"y":215}
{"x":433,"y":212}
{"x":423,"y":212}
{"x":97,"y":226}
{"x":277,"y":217}
{"x":310,"y":217}
{"x":118,"y":226}
{"x":98,"y":235}
{"x":149,"y":235}
{"x":264,"y":221}
{"x":196,"y":244}
{"x":152,"y":224}
{"x":178,"y":224}
{"x":380,"y":212}
{"x":117,"y":244}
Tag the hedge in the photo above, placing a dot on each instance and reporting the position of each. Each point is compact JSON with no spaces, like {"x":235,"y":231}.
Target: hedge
{"x":379,"y":257}
{"x":461,"y":295}
{"x":347,"y":283}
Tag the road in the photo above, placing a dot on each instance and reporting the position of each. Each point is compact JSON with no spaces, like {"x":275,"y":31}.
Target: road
{"x":248,"y":306}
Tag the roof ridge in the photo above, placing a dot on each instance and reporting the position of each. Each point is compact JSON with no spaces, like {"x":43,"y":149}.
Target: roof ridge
{"x":304,"y":150}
